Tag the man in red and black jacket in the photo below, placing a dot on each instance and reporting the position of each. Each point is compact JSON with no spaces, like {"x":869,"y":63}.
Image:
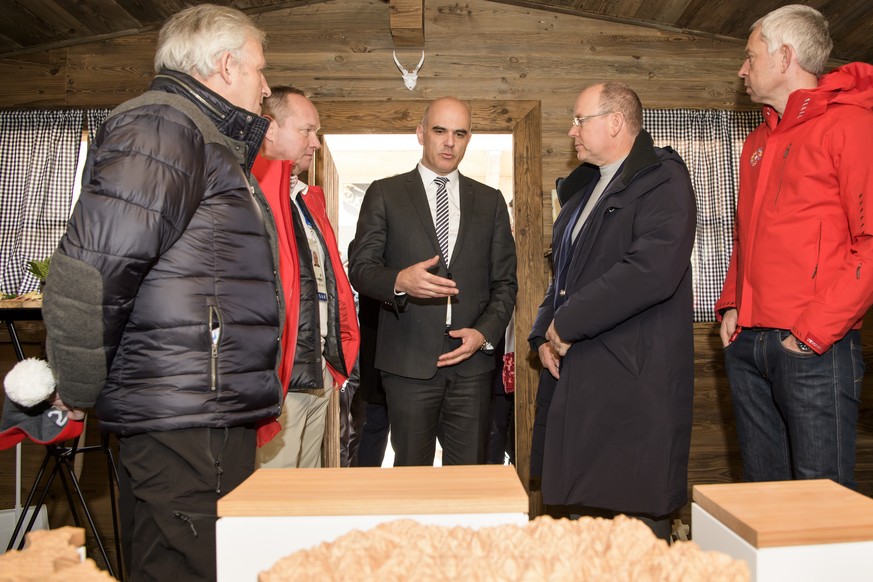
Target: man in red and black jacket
{"x":321,"y":336}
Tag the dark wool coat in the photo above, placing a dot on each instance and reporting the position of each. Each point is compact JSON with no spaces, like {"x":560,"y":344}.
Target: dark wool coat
{"x":619,"y":426}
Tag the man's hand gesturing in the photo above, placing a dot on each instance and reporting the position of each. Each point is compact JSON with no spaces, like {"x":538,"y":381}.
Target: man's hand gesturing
{"x":417,"y":281}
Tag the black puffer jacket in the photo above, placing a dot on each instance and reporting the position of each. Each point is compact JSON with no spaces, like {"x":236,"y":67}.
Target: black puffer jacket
{"x":161,"y":305}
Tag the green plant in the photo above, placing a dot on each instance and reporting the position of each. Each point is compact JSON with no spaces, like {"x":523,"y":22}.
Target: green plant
{"x":39,"y":269}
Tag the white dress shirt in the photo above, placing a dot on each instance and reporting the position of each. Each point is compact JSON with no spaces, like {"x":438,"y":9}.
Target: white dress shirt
{"x":430,"y":187}
{"x":427,"y":177}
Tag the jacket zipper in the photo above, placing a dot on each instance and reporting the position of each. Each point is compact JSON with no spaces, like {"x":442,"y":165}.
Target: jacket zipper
{"x":817,"y":256}
{"x":215,"y":340}
{"x":262,"y":204}
{"x":782,"y":174}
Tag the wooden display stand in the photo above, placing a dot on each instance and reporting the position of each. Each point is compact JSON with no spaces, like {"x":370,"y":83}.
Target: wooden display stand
{"x":787,"y":530}
{"x":278,"y":511}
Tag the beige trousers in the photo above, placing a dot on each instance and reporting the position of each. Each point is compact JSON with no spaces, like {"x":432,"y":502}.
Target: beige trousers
{"x":298,"y":444}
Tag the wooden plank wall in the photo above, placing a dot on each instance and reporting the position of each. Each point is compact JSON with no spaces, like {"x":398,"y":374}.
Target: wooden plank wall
{"x":475,"y":49}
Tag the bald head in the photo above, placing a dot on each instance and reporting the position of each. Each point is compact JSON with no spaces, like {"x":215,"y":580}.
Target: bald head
{"x":444,"y":134}
{"x":293,"y":131}
{"x":607,"y":118}
{"x":447,"y":103}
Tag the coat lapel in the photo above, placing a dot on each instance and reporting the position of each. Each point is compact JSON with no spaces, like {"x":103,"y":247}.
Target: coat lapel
{"x":418,"y":198}
{"x":467,"y":202}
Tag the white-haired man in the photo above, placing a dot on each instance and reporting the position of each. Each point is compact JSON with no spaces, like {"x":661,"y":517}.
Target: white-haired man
{"x":161,"y":306}
{"x":800,"y":278}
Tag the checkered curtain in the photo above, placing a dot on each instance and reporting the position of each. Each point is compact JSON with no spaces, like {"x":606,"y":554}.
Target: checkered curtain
{"x":95,"y":117}
{"x":710,"y":142}
{"x":39,"y":150}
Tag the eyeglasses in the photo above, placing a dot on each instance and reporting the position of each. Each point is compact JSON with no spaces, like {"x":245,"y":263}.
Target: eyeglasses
{"x":580,"y":121}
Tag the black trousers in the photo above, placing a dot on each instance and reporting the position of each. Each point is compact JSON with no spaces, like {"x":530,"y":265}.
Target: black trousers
{"x":169,"y":485}
{"x":374,"y":436}
{"x":454,"y":407}
{"x":501,"y":435}
{"x":660,"y":525}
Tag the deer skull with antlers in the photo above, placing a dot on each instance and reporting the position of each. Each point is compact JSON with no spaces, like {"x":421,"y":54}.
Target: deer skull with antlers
{"x":410,"y":78}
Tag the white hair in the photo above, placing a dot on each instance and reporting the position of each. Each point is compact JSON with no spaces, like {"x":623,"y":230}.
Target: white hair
{"x":193,"y":40}
{"x":803,"y":28}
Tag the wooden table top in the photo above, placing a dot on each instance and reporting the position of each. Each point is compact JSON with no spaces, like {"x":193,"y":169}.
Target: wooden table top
{"x":377,"y":491}
{"x":789,"y":513}
{"x":26,"y":308}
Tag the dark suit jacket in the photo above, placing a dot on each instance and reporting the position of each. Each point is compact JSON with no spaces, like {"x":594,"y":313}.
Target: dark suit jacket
{"x":396,"y":230}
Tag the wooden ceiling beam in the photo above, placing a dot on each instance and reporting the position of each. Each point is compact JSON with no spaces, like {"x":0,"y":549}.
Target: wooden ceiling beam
{"x":406,"y":18}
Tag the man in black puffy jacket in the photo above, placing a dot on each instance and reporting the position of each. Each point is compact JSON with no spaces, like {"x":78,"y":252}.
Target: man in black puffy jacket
{"x":162,"y":306}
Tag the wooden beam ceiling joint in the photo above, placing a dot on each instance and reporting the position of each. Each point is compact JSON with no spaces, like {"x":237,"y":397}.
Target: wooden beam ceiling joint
{"x":406,"y":18}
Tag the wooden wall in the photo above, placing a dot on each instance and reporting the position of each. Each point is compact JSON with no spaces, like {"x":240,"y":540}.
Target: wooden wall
{"x":476,"y":50}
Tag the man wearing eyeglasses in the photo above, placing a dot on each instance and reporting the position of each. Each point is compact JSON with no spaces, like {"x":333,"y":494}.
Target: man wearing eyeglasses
{"x":614,"y":332}
{"x":320,"y":338}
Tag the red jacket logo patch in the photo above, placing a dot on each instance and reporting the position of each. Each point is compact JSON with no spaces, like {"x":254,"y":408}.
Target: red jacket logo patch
{"x":756,"y":156}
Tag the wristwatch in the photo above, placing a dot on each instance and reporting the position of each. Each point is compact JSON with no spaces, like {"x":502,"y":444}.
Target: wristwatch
{"x":487,"y":348}
{"x":802,"y":346}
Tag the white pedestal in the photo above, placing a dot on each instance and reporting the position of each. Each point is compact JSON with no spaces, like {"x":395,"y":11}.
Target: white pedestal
{"x":794,"y":531}
{"x":846,"y":562}
{"x":279,"y":511}
{"x":249,"y":545}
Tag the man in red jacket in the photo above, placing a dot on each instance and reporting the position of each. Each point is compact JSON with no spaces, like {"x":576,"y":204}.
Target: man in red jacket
{"x":321,"y":337}
{"x":800,"y":279}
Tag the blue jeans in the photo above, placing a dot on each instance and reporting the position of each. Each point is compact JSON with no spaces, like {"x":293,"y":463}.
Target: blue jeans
{"x":796,"y":413}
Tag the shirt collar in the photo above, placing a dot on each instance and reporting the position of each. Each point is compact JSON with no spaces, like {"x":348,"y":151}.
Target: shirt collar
{"x":427,"y":175}
{"x":297,"y":187}
{"x":233,"y":122}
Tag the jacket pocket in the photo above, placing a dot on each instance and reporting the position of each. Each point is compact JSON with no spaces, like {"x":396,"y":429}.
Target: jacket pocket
{"x":817,"y":256}
{"x":782,"y":173}
{"x":214,"y":328}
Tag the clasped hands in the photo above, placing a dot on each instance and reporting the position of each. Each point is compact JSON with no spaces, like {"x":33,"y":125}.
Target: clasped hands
{"x":72,"y":413}
{"x":551,"y":352}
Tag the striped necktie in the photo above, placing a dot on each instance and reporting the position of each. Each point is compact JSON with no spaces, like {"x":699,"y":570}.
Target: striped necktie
{"x":442,"y":216}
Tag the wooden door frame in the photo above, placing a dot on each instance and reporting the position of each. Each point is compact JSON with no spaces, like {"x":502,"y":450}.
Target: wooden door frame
{"x":523,"y":119}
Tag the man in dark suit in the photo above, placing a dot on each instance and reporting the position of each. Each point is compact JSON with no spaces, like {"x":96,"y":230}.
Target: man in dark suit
{"x":447,"y":297}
